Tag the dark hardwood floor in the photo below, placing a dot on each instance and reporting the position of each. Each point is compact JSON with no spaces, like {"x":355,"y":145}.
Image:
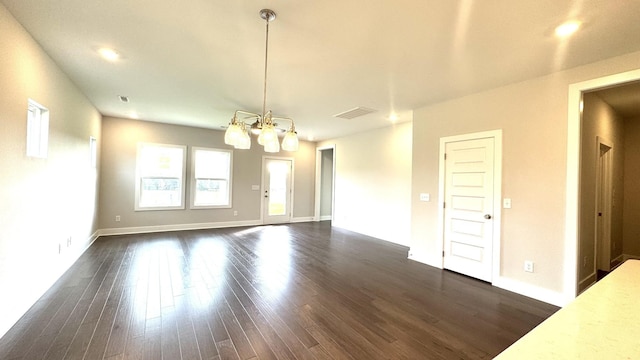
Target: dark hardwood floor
{"x":299,"y":291}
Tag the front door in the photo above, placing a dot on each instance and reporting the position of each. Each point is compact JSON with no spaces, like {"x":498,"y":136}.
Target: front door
{"x":469,"y":207}
{"x":277,"y":190}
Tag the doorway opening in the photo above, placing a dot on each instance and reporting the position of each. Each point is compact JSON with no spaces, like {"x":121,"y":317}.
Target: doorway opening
{"x":325,"y":183}
{"x":579,"y":191}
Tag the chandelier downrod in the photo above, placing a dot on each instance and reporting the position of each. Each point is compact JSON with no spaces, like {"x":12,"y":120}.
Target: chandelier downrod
{"x":268,"y":15}
{"x":237,"y":134}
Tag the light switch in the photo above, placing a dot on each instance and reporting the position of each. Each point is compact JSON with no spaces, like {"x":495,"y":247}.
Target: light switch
{"x":506,"y":203}
{"x":255,"y":187}
{"x":425,"y":197}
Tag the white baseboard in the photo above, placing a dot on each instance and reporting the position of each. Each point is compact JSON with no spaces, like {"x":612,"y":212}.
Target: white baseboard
{"x":626,"y":257}
{"x":518,"y":287}
{"x":326,"y":217}
{"x":421,"y":258}
{"x":194,"y":226}
{"x":532,"y":291}
{"x":176,"y":227}
{"x":586,"y":283}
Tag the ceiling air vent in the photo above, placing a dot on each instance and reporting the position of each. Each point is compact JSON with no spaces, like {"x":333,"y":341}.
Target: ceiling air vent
{"x":354,"y":113}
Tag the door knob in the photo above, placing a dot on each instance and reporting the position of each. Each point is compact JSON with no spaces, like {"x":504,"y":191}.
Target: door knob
{"x":487,"y":216}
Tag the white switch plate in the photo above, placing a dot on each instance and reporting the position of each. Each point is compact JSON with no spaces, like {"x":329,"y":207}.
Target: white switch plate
{"x":425,"y":197}
{"x":506,"y":203}
{"x":255,"y":187}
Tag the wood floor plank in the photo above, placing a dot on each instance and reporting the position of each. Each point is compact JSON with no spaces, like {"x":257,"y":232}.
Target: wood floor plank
{"x":227,"y":350}
{"x":347,"y":337}
{"x":298,"y":291}
{"x":122,"y":321}
{"x":170,"y":341}
{"x":51,"y":331}
{"x":329,"y":345}
{"x":120,"y":329}
{"x":186,"y":334}
{"x":152,"y":343}
{"x":200,"y":320}
{"x":272,"y":326}
{"x":258,"y":342}
{"x":100,"y":338}
{"x":236,"y":333}
{"x":134,"y":348}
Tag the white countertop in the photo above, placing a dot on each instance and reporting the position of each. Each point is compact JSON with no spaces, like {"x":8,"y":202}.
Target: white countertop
{"x":601,"y":323}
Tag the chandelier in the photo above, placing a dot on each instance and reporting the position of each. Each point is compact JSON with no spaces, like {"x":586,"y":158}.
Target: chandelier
{"x":264,"y":124}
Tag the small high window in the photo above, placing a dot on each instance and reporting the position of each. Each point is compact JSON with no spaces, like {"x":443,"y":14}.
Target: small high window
{"x":37,"y":130}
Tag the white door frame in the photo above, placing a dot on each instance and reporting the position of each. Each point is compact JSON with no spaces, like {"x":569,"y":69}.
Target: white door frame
{"x":497,"y":193}
{"x":262,"y":184}
{"x":318,"y":190}
{"x":572,"y":201}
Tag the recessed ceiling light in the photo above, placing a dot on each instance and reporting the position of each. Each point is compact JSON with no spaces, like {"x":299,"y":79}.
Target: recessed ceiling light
{"x":393,"y":117}
{"x":109,"y":54}
{"x":567,"y":28}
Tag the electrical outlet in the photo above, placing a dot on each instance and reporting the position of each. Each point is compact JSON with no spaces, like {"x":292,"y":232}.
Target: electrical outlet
{"x":235,"y":213}
{"x":117,"y":218}
{"x":528,"y":266}
{"x":506,"y":203}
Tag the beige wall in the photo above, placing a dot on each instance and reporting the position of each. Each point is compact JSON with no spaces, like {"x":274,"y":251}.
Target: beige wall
{"x":533,"y":117}
{"x":44,"y":201}
{"x":373,"y":183}
{"x":631,"y":212}
{"x":599,"y":120}
{"x":117,"y":190}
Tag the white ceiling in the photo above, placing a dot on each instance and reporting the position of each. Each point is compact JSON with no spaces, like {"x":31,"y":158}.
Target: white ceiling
{"x":195,"y":62}
{"x":625,"y":99}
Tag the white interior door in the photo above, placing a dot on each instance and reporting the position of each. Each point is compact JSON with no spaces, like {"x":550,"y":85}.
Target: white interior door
{"x":603,"y":206}
{"x":277,"y":206}
{"x":469,"y":207}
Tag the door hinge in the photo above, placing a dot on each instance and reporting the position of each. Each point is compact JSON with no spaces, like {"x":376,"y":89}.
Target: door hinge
{"x":442,"y":253}
{"x":444,"y":205}
{"x":445,"y":156}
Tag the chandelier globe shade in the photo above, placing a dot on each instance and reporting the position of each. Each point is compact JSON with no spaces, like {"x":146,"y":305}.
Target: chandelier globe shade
{"x":290,"y":141}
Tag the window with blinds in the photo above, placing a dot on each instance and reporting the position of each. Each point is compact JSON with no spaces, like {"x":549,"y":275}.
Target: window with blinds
{"x":211,"y":178}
